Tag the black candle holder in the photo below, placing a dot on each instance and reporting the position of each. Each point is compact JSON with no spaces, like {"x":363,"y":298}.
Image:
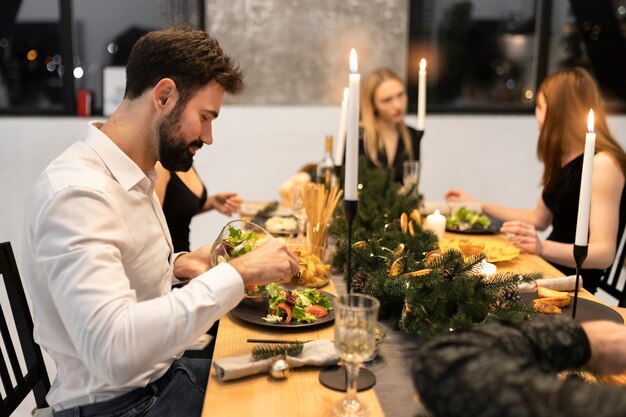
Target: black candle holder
{"x":350,"y":208}
{"x":580,"y":254}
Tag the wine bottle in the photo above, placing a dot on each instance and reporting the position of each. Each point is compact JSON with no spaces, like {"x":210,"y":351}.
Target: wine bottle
{"x":325,"y":172}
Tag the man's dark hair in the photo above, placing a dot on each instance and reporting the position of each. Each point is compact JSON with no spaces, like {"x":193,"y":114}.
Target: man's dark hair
{"x":192,"y":58}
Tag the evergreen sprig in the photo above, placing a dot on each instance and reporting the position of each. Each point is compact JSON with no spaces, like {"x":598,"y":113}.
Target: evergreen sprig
{"x":269,"y":351}
{"x":447,"y":292}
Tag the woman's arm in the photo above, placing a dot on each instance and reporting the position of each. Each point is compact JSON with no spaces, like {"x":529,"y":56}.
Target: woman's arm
{"x":540,"y":217}
{"x":162,"y":180}
{"x":606,"y":193}
{"x":226,"y":203}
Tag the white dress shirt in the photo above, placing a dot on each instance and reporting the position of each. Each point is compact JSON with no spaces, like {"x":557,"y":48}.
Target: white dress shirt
{"x":97,"y":264}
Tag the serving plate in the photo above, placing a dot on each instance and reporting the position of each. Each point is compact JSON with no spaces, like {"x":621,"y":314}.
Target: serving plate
{"x":251,"y":310}
{"x":586,"y":310}
{"x":495,"y":251}
{"x":492,"y":229}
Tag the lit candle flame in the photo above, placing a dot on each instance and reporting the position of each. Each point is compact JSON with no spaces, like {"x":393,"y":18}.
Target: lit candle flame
{"x":437,"y":213}
{"x":590,"y":121}
{"x":422,"y":64}
{"x":354,"y":63}
{"x":346,"y":92}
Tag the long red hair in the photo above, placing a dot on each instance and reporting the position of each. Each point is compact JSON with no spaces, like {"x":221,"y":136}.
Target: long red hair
{"x":569,"y":95}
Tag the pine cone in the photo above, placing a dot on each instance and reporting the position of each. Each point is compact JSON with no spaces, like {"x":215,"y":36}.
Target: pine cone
{"x":406,"y":311}
{"x":509,"y":294}
{"x":448,"y":273}
{"x":360,"y":280}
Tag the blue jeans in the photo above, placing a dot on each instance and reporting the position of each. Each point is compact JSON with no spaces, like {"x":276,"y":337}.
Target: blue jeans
{"x":178,"y":393}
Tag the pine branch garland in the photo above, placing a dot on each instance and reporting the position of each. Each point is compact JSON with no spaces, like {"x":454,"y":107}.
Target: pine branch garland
{"x":448,"y":292}
{"x":269,"y":351}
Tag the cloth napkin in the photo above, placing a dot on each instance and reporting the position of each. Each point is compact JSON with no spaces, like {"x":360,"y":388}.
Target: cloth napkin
{"x":314,"y":353}
{"x":559,"y":284}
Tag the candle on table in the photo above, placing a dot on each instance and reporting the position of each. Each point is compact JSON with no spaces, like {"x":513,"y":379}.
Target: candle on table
{"x":436,"y":223}
{"x":341,"y":135}
{"x":352,"y":121}
{"x":421,"y":96}
{"x":584,"y":200}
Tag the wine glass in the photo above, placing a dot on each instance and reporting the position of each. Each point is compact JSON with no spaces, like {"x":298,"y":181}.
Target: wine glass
{"x":355,"y":342}
{"x":299,"y":212}
{"x":411,"y":174}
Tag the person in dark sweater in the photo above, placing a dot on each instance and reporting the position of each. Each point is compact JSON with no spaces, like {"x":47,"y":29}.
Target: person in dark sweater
{"x":386,"y":140}
{"x":510,"y":369}
{"x":183,"y":195}
{"x":563,"y":102}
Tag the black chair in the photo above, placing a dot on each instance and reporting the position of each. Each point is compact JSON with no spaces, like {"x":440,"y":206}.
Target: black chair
{"x":610,"y":280}
{"x":36,"y":377}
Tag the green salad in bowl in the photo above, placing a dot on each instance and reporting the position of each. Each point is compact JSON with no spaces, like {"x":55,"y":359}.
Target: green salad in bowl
{"x":464,"y":219}
{"x":237,"y":238}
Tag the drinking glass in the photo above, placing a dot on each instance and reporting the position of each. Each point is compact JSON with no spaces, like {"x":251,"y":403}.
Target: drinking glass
{"x":355,"y":341}
{"x":411,"y":176}
{"x":299,"y":212}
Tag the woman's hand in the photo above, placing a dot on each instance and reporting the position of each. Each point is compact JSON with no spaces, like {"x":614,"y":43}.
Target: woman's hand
{"x":455,"y":195}
{"x":226,"y":203}
{"x":523,"y":235}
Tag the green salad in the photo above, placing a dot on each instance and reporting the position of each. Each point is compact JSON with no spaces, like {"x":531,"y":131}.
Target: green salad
{"x":465,"y":219}
{"x":237,"y":243}
{"x":305,"y":305}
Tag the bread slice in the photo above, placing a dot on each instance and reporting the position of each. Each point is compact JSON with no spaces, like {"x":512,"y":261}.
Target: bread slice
{"x":544,"y":292}
{"x":554,"y":301}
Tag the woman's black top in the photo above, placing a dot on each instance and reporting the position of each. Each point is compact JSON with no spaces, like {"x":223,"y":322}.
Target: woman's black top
{"x":179,"y":206}
{"x":562,"y":200}
{"x":401,"y":153}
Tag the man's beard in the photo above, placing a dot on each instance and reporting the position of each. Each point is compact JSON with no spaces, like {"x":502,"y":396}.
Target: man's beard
{"x":174,"y":151}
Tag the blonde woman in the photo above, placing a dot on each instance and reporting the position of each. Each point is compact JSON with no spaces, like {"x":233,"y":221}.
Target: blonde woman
{"x":563,"y":102}
{"x":386,"y":140}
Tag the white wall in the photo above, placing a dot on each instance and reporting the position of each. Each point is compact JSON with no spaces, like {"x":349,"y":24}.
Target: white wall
{"x":257,"y":148}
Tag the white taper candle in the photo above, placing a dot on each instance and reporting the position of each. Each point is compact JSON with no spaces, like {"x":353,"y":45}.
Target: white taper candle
{"x":341,"y":135}
{"x":352,"y":145}
{"x":584,"y":200}
{"x":421,"y":96}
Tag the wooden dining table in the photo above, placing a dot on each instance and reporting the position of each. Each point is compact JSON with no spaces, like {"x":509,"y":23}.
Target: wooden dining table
{"x":302,"y":395}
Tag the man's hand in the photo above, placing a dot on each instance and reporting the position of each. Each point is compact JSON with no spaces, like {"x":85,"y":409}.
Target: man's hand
{"x":271,"y":262}
{"x":192,"y":264}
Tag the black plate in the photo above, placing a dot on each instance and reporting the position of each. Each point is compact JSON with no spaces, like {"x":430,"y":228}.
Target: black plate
{"x":480,"y":231}
{"x":493,"y":229}
{"x":252,"y":311}
{"x":586,"y":310}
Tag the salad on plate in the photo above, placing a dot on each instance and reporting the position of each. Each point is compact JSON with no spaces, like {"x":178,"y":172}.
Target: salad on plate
{"x":464,"y":220}
{"x":305,"y":305}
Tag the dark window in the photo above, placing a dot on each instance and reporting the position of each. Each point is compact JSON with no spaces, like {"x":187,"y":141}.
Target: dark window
{"x":490,"y":56}
{"x":51,"y":49}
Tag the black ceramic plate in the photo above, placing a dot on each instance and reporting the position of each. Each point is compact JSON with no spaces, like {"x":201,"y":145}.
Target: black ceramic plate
{"x":252,"y":311}
{"x":586,"y":310}
{"x":493,"y":229}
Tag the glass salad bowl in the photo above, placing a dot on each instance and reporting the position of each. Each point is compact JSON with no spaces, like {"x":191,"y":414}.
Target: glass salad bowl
{"x":237,"y":238}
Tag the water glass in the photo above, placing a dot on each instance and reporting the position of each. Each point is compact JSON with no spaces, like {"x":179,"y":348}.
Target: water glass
{"x":411,"y":174}
{"x":355,"y":342}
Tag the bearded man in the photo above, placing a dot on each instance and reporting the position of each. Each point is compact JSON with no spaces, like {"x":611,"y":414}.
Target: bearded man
{"x":98,"y":260}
